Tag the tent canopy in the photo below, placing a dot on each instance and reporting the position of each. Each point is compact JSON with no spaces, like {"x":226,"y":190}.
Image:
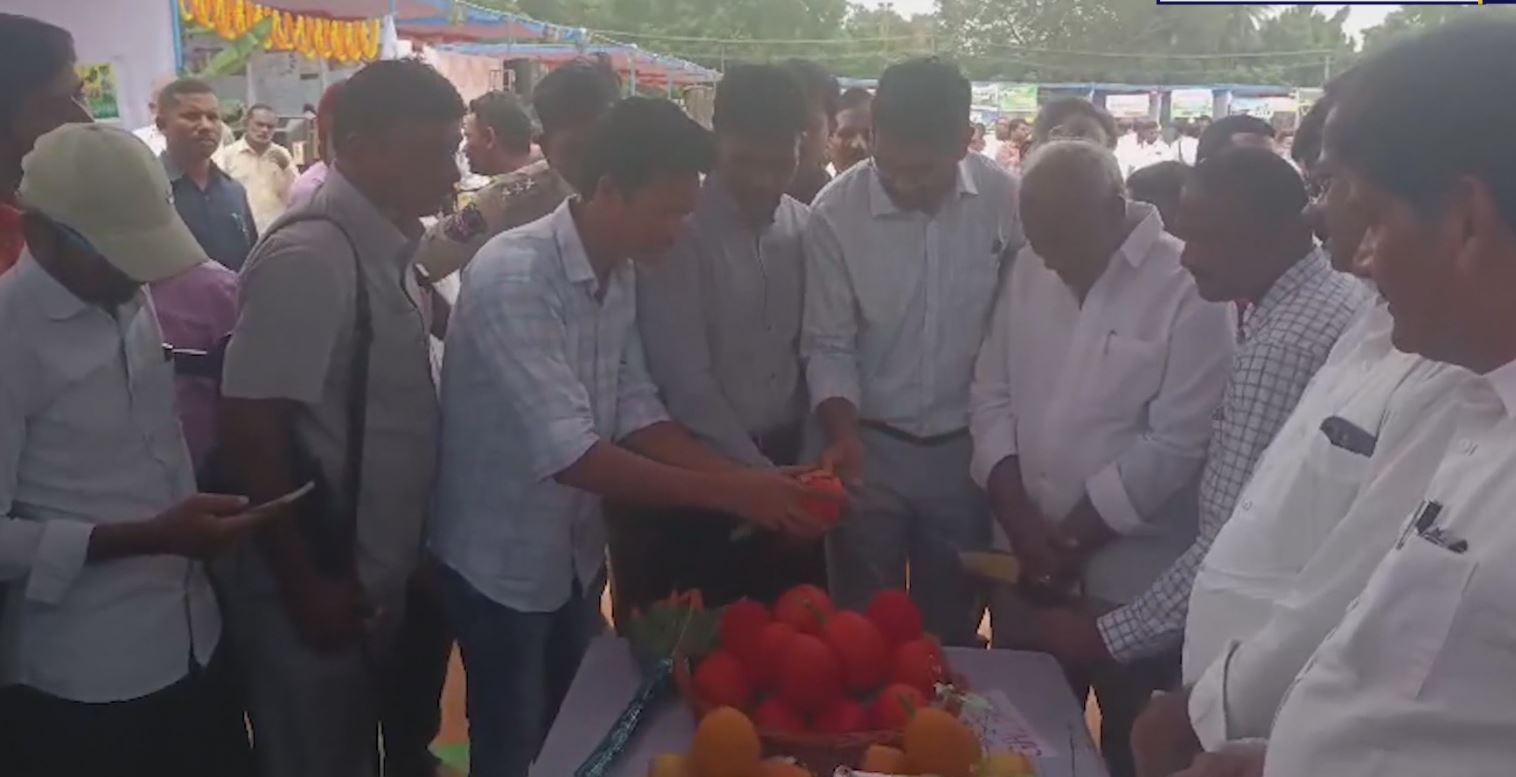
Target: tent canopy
{"x":653,"y":70}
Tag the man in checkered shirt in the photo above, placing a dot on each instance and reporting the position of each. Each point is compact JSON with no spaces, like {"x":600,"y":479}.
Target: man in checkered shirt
{"x":1247,"y":239}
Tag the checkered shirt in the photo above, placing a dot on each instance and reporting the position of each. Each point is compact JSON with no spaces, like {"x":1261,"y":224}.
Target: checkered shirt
{"x":1286,"y":338}
{"x":543,"y":362}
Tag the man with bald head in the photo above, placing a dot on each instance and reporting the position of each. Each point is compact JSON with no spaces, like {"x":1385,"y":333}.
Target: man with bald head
{"x":1091,"y":410}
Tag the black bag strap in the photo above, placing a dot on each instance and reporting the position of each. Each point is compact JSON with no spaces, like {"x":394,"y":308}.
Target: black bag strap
{"x":357,"y":390}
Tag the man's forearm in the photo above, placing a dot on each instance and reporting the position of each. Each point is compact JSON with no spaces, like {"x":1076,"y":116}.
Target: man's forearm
{"x":617,"y":473}
{"x":669,"y":443}
{"x":258,"y":436}
{"x":109,"y":542}
{"x":1007,"y":493}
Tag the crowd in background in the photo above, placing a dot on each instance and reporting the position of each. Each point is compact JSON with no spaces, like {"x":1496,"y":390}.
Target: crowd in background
{"x":1246,"y":422}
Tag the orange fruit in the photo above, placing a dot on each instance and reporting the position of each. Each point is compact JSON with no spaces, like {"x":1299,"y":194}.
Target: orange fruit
{"x":725,"y":745}
{"x":939,"y":744}
{"x":883,"y":760}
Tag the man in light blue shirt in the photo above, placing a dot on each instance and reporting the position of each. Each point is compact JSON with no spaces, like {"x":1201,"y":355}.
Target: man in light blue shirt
{"x":547,"y":408}
{"x":903,"y":257}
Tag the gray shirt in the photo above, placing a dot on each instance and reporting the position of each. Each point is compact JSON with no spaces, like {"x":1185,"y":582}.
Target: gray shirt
{"x":294,"y":340}
{"x":720,"y":321}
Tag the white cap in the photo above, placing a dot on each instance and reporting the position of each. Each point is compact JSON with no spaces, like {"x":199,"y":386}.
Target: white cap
{"x":104,"y":183}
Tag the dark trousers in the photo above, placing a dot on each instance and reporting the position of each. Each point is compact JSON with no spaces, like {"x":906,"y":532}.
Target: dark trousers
{"x":1123,"y":690}
{"x":655,"y":552}
{"x":192,"y":728}
{"x":519,"y":666}
{"x":411,"y":705}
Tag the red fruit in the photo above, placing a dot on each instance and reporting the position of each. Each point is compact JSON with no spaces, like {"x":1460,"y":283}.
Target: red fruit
{"x":844,"y":716}
{"x":862,"y":650}
{"x":763,"y":663}
{"x":918,"y":663}
{"x":741,"y":623}
{"x":894,"y":706}
{"x":826,"y":510}
{"x":720,"y":681}
{"x":805,"y":607}
{"x":773,"y":715}
{"x":896,"y":616}
{"x":810,"y":677}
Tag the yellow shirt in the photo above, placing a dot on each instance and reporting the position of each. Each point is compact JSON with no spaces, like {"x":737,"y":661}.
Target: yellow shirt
{"x":267,"y":178}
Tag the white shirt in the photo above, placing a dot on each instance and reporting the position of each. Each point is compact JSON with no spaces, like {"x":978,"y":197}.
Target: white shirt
{"x":267,"y":176}
{"x":539,"y":368}
{"x":153,"y":137}
{"x":1311,"y":526}
{"x":1418,"y":678}
{"x":897,"y":301}
{"x":1112,"y":398}
{"x":91,"y":438}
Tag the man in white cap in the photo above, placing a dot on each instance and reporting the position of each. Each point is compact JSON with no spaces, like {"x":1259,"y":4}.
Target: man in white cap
{"x":109,"y":629}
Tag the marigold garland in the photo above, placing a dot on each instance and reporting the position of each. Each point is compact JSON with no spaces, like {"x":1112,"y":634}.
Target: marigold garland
{"x":312,"y":36}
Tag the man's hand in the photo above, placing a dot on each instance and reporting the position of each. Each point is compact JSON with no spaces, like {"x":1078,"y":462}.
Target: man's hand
{"x":774,"y":500}
{"x":1086,"y":531}
{"x":328,"y":613}
{"x":844,"y":458}
{"x":1071,"y":636}
{"x":204,"y":525}
{"x":1045,"y":553}
{"x":1241,"y":759}
{"x":1163,"y":739}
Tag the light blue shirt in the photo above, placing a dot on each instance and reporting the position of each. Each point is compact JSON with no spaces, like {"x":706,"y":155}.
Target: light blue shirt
{"x":720,"y":317}
{"x":897,"y":302}
{"x":540,"y":366}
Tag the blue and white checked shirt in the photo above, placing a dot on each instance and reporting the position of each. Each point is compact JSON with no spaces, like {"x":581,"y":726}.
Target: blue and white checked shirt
{"x":1286,"y":338}
{"x":537,"y":371}
{"x":897,"y":302}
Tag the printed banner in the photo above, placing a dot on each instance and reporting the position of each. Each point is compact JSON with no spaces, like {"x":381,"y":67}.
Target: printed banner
{"x":1191,"y":103}
{"x":100,"y":94}
{"x":1018,"y":98}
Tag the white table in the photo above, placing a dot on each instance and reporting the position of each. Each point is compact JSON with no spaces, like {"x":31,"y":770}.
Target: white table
{"x":609,"y":678}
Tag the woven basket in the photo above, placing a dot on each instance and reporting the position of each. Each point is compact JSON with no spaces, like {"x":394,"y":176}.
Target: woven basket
{"x":821,"y":753}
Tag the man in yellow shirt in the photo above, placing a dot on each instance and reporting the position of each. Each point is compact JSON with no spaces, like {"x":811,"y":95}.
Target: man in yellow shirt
{"x":262,"y":166}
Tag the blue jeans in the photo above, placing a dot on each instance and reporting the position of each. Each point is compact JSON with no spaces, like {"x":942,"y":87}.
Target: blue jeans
{"x":518,"y":667}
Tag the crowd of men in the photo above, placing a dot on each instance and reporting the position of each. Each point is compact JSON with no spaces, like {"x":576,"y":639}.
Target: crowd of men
{"x":1247,"y":431}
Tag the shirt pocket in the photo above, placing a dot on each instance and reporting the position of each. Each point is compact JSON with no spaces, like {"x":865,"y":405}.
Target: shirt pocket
{"x":1414,"y":597}
{"x":1126,"y":377}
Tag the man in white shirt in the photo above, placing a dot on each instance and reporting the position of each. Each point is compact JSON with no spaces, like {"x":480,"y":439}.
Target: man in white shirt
{"x":1092,"y":401}
{"x":903,"y":256}
{"x":1417,"y":677}
{"x":262,"y":166}
{"x":719,"y":318}
{"x":547,"y":408}
{"x":1317,"y":516}
{"x":109,"y":628}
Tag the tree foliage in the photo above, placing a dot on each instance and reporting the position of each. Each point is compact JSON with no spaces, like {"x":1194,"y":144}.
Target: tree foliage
{"x":1132,"y":41}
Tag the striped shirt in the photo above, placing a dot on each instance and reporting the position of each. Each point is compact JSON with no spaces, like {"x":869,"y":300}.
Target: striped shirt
{"x":542,"y":363}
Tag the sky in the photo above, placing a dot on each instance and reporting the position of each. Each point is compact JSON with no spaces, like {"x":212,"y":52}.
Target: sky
{"x":1360,"y":18}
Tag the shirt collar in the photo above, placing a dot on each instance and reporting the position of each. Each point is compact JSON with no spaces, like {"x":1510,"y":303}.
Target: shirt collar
{"x":880,"y":203}
{"x":1146,"y":227}
{"x":576,"y":262}
{"x":175,"y":172}
{"x":1503,"y":381}
{"x":53,"y":298}
{"x":372,"y":230}
{"x":1309,"y":269}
